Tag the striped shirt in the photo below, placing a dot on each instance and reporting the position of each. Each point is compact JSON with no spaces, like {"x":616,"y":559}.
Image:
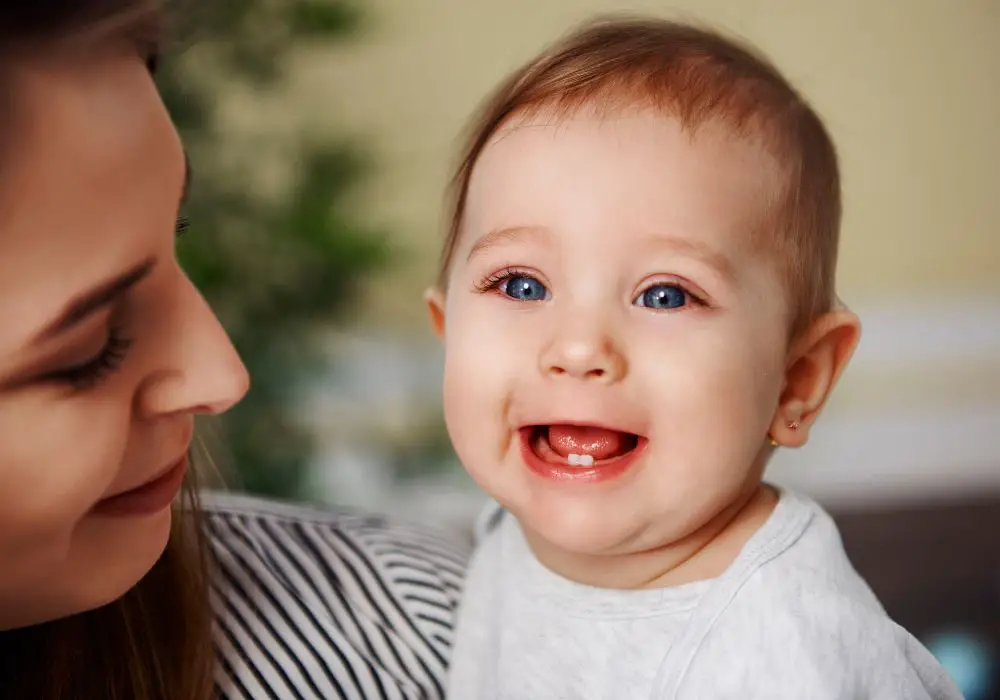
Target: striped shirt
{"x":316,"y":604}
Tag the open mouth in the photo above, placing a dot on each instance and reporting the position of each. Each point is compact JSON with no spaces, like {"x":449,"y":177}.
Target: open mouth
{"x":580,"y":446}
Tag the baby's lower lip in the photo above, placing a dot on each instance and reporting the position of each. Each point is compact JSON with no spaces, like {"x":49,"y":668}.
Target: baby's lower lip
{"x":561,"y":471}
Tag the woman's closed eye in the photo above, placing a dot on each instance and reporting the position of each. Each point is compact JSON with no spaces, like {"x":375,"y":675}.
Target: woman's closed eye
{"x":92,"y":371}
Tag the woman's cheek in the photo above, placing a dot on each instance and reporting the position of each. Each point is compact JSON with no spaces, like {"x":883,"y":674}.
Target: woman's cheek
{"x":46,"y":479}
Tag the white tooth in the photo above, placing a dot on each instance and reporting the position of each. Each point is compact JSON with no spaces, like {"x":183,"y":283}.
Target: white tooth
{"x":585,"y":460}
{"x":573,"y":458}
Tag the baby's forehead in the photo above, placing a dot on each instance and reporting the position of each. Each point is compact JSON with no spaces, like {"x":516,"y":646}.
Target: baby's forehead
{"x":644,"y":141}
{"x":636,"y":169}
{"x":709,"y":132}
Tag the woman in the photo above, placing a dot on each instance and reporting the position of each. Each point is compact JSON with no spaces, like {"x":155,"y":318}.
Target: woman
{"x":107,"y":353}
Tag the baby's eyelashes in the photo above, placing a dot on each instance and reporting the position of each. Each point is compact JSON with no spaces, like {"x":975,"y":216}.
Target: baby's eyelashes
{"x":663,"y":296}
{"x":515,"y":284}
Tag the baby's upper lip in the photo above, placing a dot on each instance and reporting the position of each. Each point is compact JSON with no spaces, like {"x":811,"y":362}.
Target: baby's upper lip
{"x":619,"y":426}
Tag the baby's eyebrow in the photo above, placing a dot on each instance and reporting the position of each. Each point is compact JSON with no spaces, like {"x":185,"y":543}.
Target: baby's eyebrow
{"x":717,"y":260}
{"x":504,"y":235}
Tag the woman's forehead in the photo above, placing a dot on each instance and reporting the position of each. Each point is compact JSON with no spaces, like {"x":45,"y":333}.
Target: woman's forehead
{"x":94,"y":161}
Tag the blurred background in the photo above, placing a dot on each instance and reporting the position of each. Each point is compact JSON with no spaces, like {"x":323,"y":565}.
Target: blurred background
{"x":322,"y":134}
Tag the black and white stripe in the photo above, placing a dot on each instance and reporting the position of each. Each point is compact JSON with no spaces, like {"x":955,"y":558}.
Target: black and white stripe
{"x":314,"y":604}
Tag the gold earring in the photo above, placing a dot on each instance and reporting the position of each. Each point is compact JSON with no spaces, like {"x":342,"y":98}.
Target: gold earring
{"x":792,"y":425}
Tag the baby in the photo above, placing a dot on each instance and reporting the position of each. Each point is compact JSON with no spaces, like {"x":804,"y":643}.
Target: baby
{"x":637,"y":304}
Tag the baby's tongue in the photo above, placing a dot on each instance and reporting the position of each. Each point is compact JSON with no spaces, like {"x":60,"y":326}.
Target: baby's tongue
{"x":597,"y":442}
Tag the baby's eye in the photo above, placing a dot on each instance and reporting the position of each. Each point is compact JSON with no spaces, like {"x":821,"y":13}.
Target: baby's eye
{"x":662,"y":296}
{"x":524,"y":288}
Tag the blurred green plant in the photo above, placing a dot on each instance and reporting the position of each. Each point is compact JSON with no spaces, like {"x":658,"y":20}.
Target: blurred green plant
{"x":277,"y":264}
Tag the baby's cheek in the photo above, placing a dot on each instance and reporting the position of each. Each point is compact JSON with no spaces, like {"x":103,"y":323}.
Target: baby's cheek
{"x":469,"y":394}
{"x":476,"y":390}
{"x":699,"y":392}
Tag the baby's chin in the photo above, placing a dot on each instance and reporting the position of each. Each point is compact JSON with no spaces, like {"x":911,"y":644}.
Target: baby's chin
{"x":581,"y":532}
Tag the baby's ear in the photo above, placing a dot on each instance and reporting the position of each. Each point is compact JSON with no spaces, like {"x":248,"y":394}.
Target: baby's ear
{"x":434,"y":298}
{"x":816,"y":361}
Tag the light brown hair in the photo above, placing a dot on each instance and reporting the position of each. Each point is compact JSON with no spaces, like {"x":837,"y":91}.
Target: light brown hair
{"x":154,"y":643}
{"x":699,"y":77}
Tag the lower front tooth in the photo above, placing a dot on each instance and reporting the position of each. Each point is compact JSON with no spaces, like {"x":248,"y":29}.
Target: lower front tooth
{"x":585,"y":460}
{"x":573,"y":458}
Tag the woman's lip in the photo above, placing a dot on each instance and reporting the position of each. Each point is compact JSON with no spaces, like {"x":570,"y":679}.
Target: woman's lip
{"x":604,"y":471}
{"x":151,"y":497}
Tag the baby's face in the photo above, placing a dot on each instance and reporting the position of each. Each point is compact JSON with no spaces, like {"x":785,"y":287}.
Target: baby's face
{"x":615,"y":351}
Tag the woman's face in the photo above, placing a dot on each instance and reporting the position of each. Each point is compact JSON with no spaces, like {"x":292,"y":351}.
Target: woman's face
{"x":106,"y":349}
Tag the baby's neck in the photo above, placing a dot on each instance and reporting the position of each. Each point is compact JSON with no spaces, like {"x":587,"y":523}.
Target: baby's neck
{"x":704,"y":554}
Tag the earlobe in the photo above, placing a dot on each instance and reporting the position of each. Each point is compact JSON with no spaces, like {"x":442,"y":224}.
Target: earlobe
{"x":816,"y":362}
{"x":434,"y":298}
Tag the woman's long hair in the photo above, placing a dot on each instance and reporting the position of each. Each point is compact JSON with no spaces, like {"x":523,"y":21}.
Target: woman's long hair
{"x":154,"y":643}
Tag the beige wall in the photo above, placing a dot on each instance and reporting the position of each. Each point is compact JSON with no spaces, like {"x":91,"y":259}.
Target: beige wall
{"x":910,"y":90}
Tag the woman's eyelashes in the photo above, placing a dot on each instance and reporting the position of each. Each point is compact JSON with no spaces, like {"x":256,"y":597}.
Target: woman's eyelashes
{"x":96,"y":369}
{"x":522,"y":285}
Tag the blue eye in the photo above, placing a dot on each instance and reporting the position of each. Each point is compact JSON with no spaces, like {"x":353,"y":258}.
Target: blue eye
{"x":663,"y":296}
{"x":524,"y":288}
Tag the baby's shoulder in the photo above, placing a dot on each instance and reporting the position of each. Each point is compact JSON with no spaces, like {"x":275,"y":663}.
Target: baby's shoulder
{"x":822,"y":644}
{"x":805,"y":624}
{"x":805,"y":611}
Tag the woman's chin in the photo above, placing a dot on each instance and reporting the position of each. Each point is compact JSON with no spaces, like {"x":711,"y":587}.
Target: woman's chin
{"x":126,"y":551}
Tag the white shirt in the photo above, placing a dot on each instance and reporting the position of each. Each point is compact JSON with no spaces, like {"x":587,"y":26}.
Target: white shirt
{"x":789,"y":619}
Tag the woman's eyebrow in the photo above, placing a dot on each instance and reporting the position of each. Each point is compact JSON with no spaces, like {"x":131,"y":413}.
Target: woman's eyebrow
{"x":107,"y":292}
{"x":93,"y":300}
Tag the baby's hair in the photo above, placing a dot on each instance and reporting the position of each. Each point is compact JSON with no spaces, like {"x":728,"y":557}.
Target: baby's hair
{"x":701,"y":78}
